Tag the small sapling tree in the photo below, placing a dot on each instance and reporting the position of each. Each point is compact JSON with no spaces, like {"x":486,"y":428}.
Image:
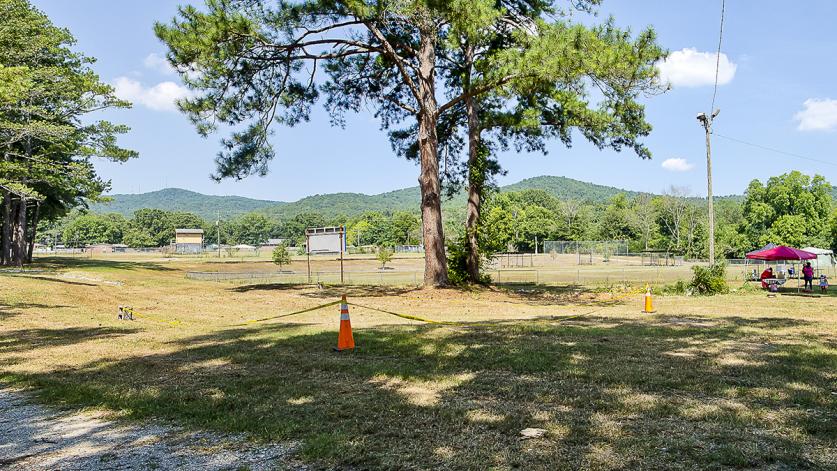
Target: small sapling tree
{"x":281,"y":256}
{"x":384,"y":256}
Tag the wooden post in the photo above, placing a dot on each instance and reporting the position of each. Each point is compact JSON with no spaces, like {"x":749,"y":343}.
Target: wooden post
{"x":342,"y":229}
{"x":308,"y":254}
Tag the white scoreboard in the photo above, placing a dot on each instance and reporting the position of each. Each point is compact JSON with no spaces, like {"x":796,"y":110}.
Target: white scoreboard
{"x":326,"y":240}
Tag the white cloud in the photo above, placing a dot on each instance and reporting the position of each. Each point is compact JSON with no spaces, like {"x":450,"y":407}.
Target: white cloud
{"x":677,"y":164}
{"x":818,"y":115}
{"x":160,"y":97}
{"x":159,"y":63}
{"x":690,"y":68}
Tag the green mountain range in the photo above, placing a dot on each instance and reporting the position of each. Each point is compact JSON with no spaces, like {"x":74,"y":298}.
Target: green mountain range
{"x":349,"y":204}
{"x":176,"y":199}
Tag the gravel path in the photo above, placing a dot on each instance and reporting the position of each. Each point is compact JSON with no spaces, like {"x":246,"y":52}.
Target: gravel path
{"x":33,"y":437}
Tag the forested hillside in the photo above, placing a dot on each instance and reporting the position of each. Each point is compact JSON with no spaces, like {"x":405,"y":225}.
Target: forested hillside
{"x":176,"y":199}
{"x":334,"y":204}
{"x":792,"y":209}
{"x":348,"y":204}
{"x":567,"y":188}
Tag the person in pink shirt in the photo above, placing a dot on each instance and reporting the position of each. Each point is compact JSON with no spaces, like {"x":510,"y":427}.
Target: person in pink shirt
{"x":808,"y":276}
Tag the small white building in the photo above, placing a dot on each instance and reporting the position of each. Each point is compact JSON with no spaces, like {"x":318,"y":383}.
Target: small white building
{"x":188,"y":240}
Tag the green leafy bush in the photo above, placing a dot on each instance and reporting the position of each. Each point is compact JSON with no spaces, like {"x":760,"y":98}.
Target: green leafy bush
{"x":457,"y":266}
{"x":678,"y":287}
{"x":709,"y":281}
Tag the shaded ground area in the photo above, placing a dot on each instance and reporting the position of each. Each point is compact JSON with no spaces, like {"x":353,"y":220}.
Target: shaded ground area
{"x":740,"y":380}
{"x":33,"y":437}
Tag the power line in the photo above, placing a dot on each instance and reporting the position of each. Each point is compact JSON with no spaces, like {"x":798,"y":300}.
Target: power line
{"x":718,"y":56}
{"x":777,"y":151}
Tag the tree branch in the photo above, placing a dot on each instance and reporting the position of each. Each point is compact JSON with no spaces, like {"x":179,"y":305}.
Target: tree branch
{"x":392,"y":54}
{"x":476,"y":91}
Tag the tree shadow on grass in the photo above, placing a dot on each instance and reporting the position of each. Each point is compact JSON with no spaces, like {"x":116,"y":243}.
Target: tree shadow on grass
{"x":54,"y":280}
{"x":571,"y":294}
{"x":95,"y":263}
{"x":329,"y":291}
{"x":609,"y":393}
{"x":9,"y":309}
{"x":21,"y":340}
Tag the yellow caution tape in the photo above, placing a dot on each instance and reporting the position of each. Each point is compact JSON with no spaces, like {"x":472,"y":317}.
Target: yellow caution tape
{"x":303,"y":311}
{"x":423,"y":319}
{"x":407,"y":316}
{"x":461,"y":324}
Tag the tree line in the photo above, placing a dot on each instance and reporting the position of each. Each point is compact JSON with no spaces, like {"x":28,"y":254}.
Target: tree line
{"x":156,"y":228}
{"x":791,"y":209}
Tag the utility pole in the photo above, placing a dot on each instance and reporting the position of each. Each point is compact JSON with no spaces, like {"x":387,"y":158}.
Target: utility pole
{"x":218,"y":226}
{"x":706,"y":122}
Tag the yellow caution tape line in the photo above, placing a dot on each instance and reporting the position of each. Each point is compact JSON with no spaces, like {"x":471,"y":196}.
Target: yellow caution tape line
{"x":407,"y":316}
{"x":411,"y":317}
{"x":463,"y":324}
{"x":303,"y":311}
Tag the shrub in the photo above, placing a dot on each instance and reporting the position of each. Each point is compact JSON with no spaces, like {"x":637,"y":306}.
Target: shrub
{"x":709,"y":281}
{"x":457,"y":267}
{"x":678,"y":287}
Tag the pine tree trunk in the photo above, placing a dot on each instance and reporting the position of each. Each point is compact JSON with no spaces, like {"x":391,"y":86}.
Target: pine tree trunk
{"x":435,"y":260}
{"x":35,"y":216}
{"x":19,"y":233}
{"x":6,"y":236}
{"x":476,"y":177}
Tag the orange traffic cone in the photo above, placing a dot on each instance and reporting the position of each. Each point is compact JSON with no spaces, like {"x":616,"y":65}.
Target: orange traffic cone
{"x":649,"y":302}
{"x":345,"y":340}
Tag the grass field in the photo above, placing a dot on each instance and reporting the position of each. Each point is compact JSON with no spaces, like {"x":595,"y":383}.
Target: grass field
{"x":740,"y":380}
{"x":407,"y":269}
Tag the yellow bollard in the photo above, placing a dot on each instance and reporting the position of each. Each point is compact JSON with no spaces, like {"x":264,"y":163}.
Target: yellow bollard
{"x":649,"y":301}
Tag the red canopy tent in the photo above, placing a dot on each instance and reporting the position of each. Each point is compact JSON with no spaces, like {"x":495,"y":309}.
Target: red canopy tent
{"x":781,"y":252}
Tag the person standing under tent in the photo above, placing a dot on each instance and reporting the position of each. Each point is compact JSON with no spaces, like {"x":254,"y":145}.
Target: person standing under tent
{"x":808,"y":275}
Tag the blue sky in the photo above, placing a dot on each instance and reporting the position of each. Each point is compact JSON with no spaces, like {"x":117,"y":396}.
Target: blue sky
{"x":778,"y":91}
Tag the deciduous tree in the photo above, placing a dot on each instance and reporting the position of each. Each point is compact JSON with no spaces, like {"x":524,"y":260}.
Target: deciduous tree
{"x":281,"y":256}
{"x":792,"y":208}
